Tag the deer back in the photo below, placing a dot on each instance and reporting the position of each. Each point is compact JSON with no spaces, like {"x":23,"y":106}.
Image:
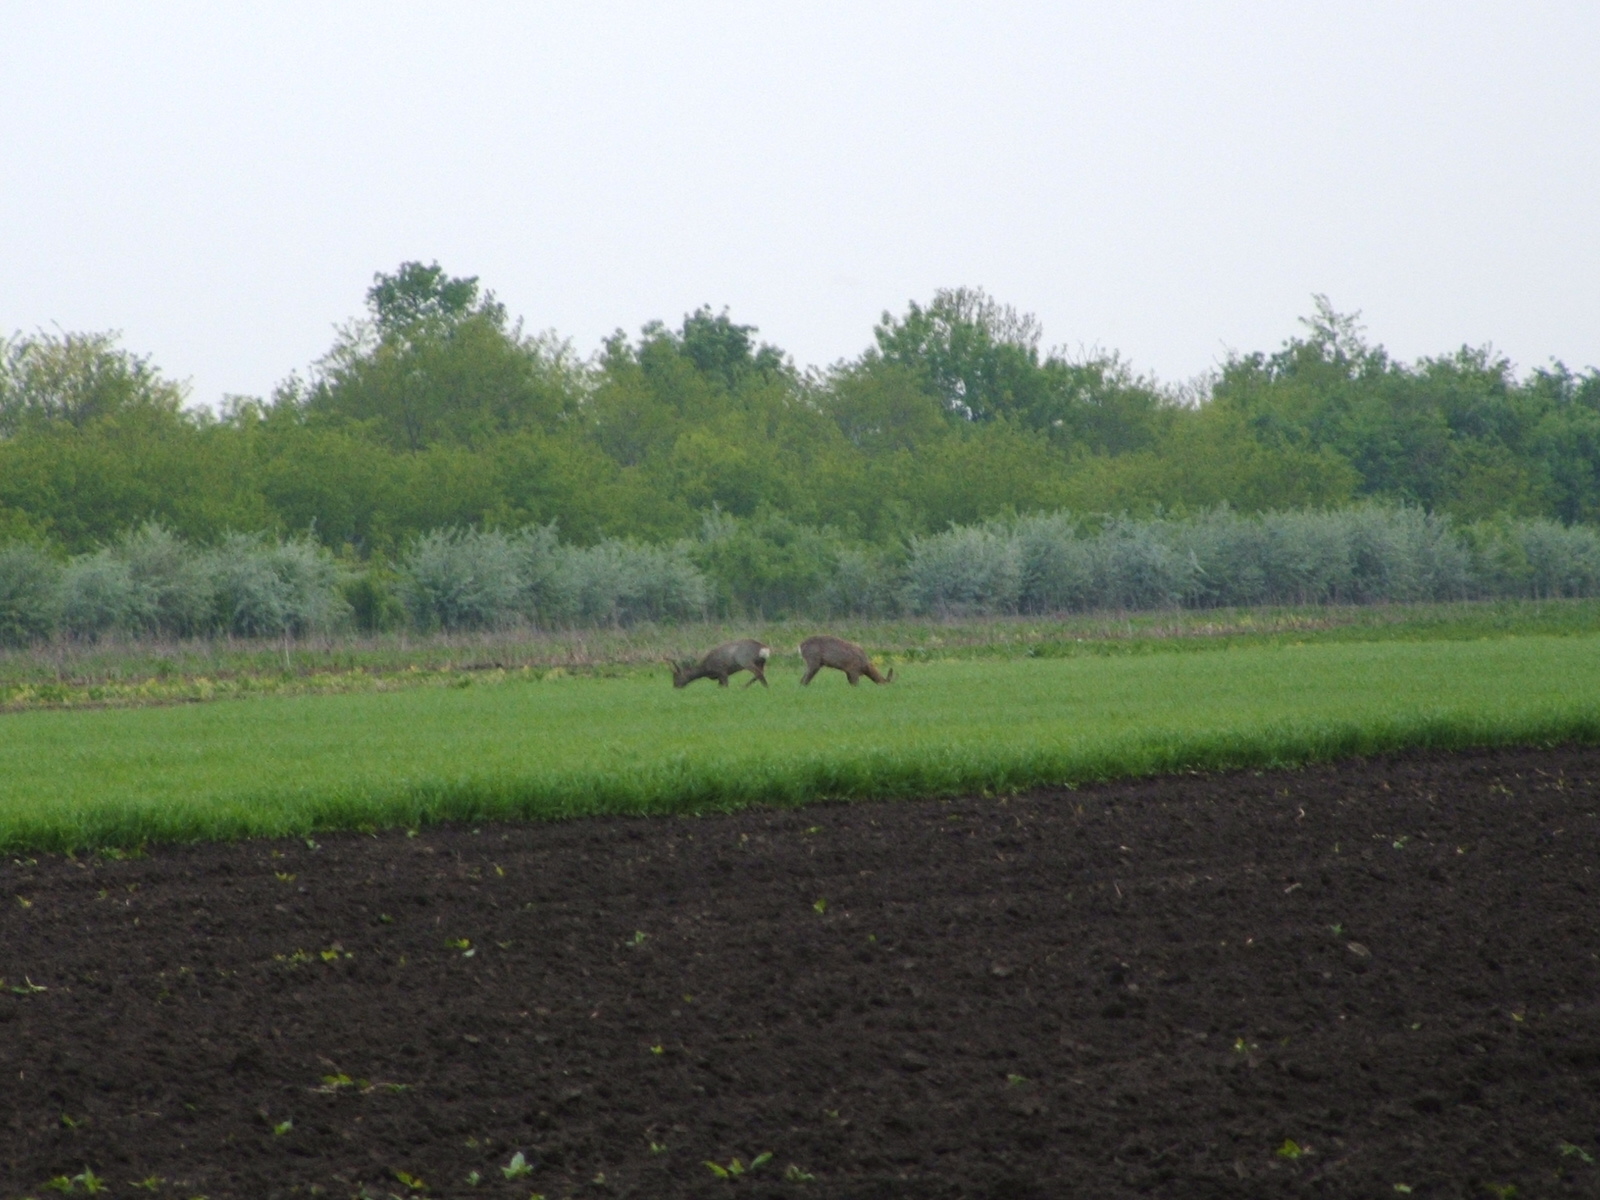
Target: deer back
{"x":834,"y":652}
{"x":743,"y":655}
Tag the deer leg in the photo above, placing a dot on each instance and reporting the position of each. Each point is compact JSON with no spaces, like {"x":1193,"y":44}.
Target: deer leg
{"x":854,"y":677}
{"x":757,"y":675}
{"x":811,"y":673}
{"x":722,"y":681}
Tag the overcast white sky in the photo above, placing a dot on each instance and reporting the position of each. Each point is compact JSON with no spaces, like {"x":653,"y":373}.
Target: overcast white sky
{"x":1171,"y":180}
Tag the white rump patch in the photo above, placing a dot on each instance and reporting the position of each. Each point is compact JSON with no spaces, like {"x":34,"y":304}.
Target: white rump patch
{"x":764,"y":653}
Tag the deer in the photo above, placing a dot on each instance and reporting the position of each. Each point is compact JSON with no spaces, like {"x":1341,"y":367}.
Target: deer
{"x":730,"y":658}
{"x":825,"y":651}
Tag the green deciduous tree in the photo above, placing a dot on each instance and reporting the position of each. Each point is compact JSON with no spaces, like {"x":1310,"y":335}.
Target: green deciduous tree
{"x":77,"y":378}
{"x":436,"y":361}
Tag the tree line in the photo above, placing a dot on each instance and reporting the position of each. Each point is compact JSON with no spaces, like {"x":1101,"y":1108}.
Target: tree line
{"x":436,"y":410}
{"x":150,"y":583}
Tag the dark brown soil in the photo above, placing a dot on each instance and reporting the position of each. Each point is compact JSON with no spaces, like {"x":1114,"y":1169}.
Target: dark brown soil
{"x":1330,"y":982}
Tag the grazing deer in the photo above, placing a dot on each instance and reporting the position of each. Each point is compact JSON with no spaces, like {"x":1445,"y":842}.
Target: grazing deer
{"x":825,"y":651}
{"x":730,"y":658}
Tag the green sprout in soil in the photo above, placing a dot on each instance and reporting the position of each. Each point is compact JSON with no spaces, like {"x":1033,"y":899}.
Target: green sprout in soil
{"x":282,"y":1127}
{"x":517,"y":1167}
{"x":793,"y":1174}
{"x":1291,"y":1150}
{"x":90,"y":1182}
{"x":149,"y":1183}
{"x":410,"y":1182}
{"x":462,"y":944}
{"x":1503,"y":1190}
{"x":736,"y":1168}
{"x":1014,"y":1080}
{"x":115,"y":854}
{"x":639,"y":937}
{"x":70,"y":1122}
{"x":821,"y":906}
{"x":1568,"y":1150}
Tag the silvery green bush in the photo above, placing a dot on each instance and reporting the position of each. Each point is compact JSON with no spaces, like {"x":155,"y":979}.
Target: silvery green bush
{"x":470,"y":579}
{"x":97,"y":596}
{"x":544,"y":586}
{"x":862,"y":583}
{"x":1136,"y":566}
{"x":151,"y":582}
{"x":173,"y":591}
{"x":1563,"y":560}
{"x":456,"y":579}
{"x":1058,"y":566}
{"x":618,"y":582}
{"x":965,"y":571}
{"x":1369,"y":554}
{"x":267,"y":588}
{"x":30,"y":595}
{"x":1306,"y":559}
{"x":1536,"y":558}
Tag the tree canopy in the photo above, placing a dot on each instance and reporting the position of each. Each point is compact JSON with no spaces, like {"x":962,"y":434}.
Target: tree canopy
{"x":435,"y":409}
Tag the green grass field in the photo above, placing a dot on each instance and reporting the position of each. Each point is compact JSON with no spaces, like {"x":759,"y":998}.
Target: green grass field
{"x":518,"y":746}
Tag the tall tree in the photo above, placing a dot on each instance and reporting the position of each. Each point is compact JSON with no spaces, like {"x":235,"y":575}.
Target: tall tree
{"x":434,"y":361}
{"x":75,"y":379}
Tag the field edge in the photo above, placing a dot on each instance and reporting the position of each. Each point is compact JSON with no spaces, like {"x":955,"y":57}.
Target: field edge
{"x":681,"y":788}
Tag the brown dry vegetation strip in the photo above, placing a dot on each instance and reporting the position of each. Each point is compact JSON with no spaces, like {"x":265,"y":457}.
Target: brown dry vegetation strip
{"x":1328,"y":982}
{"x":128,"y":674}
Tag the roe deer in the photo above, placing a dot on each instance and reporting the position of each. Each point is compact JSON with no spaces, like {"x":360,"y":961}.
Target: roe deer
{"x":825,"y":651}
{"x":730,"y":658}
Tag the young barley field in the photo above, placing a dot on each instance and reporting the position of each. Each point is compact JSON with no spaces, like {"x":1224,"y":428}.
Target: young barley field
{"x":518,"y":746}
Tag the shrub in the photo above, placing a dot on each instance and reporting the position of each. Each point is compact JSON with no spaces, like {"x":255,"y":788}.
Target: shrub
{"x":863,"y":582}
{"x":1058,"y":567}
{"x":619,"y":582}
{"x":769,"y":566}
{"x":1563,"y":560}
{"x":171,"y":586}
{"x":965,"y":571}
{"x":462,"y":579}
{"x":546,"y":595}
{"x":370,"y":595}
{"x":98,"y":596}
{"x":1306,"y":558}
{"x":30,"y":595}
{"x":273,"y":589}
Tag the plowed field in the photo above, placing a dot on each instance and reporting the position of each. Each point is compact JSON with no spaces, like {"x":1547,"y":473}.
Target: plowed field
{"x":1344,"y":981}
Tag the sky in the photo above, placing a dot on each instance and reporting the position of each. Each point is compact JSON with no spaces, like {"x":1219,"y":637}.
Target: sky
{"x":1172,"y":181}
